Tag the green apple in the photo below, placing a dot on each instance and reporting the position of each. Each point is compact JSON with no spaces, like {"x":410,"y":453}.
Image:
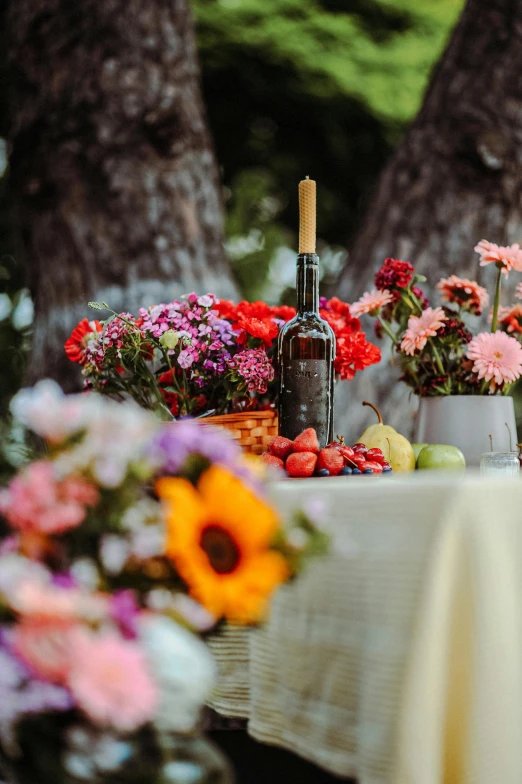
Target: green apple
{"x":441,"y":456}
{"x":417,"y":448}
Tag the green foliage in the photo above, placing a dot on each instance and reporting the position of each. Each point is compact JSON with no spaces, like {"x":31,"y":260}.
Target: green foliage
{"x":317,"y":87}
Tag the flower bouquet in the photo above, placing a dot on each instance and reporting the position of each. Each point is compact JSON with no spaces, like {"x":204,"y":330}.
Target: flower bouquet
{"x":437,"y":351}
{"x":199,"y":355}
{"x":118,"y":546}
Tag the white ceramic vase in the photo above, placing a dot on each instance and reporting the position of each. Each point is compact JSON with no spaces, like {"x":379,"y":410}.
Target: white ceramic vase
{"x":467,"y":421}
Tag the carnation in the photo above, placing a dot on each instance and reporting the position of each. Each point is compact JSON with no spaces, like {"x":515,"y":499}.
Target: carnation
{"x":354,"y":353}
{"x":394,"y":274}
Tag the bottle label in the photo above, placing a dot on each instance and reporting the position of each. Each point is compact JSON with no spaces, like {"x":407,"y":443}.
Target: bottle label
{"x":306,"y":398}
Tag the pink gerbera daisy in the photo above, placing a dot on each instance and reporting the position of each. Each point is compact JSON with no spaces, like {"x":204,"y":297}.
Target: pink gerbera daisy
{"x":497,"y":358}
{"x":370,"y":302}
{"x":420,"y":328}
{"x":465,"y":293}
{"x":509,"y":257}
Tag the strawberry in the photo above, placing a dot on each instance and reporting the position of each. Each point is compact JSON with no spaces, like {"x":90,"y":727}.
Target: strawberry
{"x":272,"y":460}
{"x":281,"y":447}
{"x":307,"y":441}
{"x":376,"y":455}
{"x":331,"y":459}
{"x":301,"y":464}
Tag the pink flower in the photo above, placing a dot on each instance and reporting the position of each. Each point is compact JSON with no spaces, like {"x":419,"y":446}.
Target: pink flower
{"x":466,"y":293}
{"x":44,"y":645}
{"x":110,"y":681}
{"x":420,"y":328}
{"x":52,"y":602}
{"x":186,"y":358}
{"x":36,"y":501}
{"x":497,"y":358}
{"x":509,"y":257}
{"x":371,"y":301}
{"x":254,"y":366}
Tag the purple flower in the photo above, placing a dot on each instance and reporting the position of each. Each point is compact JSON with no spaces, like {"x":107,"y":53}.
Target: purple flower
{"x":185,"y":358}
{"x":323,"y":302}
{"x":125,"y":611}
{"x":175,"y":443}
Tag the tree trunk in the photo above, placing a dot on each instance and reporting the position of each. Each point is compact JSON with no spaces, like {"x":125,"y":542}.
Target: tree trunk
{"x":456,"y":178}
{"x":112,"y":165}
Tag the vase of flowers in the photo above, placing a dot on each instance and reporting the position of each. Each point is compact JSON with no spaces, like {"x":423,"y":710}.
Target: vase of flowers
{"x":119,"y":545}
{"x":204,"y":357}
{"x":463,"y":379}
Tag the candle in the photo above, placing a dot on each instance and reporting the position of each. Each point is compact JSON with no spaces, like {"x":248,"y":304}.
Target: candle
{"x":307,"y":216}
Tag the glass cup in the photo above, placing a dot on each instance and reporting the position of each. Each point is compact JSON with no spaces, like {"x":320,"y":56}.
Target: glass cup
{"x":500,"y":464}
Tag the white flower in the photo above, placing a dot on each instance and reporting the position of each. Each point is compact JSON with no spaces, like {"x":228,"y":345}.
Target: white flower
{"x":183,"y":668}
{"x":114,"y":552}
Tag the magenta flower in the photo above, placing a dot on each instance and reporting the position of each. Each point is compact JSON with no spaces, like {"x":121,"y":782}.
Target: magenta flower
{"x":254,"y":366}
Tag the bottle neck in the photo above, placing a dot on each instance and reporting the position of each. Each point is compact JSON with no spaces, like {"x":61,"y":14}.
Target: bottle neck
{"x":307,"y":283}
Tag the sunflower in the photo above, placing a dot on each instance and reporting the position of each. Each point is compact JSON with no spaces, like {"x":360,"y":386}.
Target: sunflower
{"x":219,"y":536}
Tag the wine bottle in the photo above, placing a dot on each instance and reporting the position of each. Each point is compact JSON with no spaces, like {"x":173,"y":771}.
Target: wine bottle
{"x":306,"y":348}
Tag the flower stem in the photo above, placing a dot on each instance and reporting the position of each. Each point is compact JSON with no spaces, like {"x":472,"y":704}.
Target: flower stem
{"x":496,"y":302}
{"x":437,"y":358}
{"x":387,"y":329}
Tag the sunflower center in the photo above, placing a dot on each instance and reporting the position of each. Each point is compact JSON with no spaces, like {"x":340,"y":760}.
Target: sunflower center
{"x":221,"y":549}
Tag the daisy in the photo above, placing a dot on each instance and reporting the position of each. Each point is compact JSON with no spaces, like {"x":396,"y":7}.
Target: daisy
{"x":370,"y":302}
{"x":497,"y":358}
{"x":507,"y":257}
{"x":465,"y":293}
{"x":420,"y":328}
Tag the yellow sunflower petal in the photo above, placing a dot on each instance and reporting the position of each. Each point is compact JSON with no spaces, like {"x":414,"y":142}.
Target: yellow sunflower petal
{"x":236,"y":507}
{"x":185,"y":510}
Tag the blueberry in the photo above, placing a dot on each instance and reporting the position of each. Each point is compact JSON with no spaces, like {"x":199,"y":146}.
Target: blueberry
{"x":386,"y":469}
{"x":368,"y":471}
{"x":323,"y":472}
{"x":356,"y":470}
{"x":346,"y":471}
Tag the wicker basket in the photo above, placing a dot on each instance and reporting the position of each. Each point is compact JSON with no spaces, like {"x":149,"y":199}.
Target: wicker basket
{"x":253,"y":430}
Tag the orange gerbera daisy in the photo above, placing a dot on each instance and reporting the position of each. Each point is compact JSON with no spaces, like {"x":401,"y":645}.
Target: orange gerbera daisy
{"x":219,"y":537}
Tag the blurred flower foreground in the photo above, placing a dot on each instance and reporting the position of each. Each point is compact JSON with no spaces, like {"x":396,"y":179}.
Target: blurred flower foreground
{"x":122,"y":542}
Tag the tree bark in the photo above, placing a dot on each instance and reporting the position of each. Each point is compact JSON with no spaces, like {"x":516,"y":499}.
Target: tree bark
{"x":455,"y":178}
{"x":112,"y":166}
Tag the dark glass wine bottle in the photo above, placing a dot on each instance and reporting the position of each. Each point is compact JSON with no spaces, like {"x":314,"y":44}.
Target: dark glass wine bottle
{"x":306,"y":350}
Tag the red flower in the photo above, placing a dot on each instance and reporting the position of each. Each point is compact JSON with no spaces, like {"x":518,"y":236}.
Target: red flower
{"x":283,"y":312}
{"x":258,"y":310}
{"x":337,"y":314}
{"x":354,"y":353}
{"x":172,"y":401}
{"x":226,"y":309}
{"x":76,"y":344}
{"x":266,"y":330}
{"x":394,"y":273}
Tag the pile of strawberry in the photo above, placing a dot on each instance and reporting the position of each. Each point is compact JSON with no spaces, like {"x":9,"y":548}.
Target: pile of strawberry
{"x":304,"y":457}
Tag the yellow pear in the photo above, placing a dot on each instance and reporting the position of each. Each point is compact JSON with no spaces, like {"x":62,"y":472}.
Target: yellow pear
{"x":396,"y":448}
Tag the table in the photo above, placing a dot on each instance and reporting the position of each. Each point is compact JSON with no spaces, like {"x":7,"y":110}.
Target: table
{"x":396,"y":659}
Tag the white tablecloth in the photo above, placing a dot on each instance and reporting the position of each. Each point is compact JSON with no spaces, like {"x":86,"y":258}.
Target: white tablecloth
{"x":396,"y":659}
